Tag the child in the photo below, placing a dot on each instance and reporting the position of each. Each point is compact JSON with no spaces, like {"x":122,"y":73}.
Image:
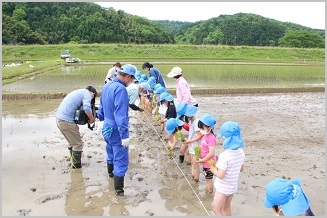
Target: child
{"x":227,"y":170}
{"x":168,"y":100}
{"x":180,"y":110}
{"x":287,"y":198}
{"x":208,"y":144}
{"x":193,"y":139}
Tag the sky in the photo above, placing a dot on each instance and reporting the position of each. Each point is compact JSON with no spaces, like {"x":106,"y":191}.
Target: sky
{"x":309,"y":14}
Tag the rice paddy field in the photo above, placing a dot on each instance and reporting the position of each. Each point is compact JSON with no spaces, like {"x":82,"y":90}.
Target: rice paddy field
{"x":210,"y":67}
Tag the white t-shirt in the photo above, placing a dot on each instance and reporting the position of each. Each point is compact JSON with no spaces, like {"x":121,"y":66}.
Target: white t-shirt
{"x":230,"y":161}
{"x":192,"y":134}
{"x":112,"y":73}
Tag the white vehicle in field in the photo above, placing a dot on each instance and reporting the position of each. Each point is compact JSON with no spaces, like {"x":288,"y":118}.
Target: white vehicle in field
{"x":65,"y":54}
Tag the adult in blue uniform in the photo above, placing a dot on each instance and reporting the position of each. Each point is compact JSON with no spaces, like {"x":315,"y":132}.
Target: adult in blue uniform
{"x":113,"y":110}
{"x":155,"y":73}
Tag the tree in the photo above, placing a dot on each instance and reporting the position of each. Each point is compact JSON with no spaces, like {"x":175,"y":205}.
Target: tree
{"x":19,"y":14}
{"x":301,"y":39}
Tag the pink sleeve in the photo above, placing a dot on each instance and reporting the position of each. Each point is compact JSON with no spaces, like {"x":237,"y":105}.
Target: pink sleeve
{"x":185,"y":91}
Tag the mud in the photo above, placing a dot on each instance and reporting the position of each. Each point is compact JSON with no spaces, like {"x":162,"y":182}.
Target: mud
{"x":284,"y":136}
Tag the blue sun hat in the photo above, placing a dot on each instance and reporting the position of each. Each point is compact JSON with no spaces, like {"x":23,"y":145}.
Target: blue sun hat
{"x":163,"y":96}
{"x":128,"y":69}
{"x":157,"y":86}
{"x":287,"y":194}
{"x":171,"y":125}
{"x":181,"y":109}
{"x":169,"y":97}
{"x":144,"y":85}
{"x":144,"y":76}
{"x":138,"y":75}
{"x":191,"y":111}
{"x":208,"y":120}
{"x":231,"y":132}
{"x":159,"y":90}
{"x":152,"y":82}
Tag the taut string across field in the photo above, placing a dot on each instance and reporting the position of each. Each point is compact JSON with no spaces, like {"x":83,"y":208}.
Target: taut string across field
{"x":163,"y":143}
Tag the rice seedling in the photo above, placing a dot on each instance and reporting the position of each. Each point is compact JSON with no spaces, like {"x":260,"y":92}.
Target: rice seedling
{"x":197,"y":151}
{"x":180,"y":135}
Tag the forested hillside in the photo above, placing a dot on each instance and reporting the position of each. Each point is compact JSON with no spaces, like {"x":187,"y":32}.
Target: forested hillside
{"x":252,"y":30}
{"x":85,"y":23}
{"x":81,"y":22}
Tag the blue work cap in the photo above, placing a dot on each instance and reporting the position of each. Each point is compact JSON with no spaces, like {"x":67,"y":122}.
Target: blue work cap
{"x":171,"y":125}
{"x":128,"y":69}
{"x":288,"y":195}
{"x":191,"y":111}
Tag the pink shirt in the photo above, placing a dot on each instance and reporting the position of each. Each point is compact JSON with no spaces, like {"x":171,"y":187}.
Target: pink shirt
{"x":206,"y":141}
{"x":183,"y":92}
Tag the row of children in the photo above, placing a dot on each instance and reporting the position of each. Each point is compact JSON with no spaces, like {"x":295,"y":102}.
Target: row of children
{"x":283,"y":196}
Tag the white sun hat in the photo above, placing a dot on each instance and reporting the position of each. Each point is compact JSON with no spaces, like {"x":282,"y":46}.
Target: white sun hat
{"x":176,"y":71}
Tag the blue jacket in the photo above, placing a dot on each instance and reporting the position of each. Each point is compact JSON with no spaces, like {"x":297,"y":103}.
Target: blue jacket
{"x":114,"y":105}
{"x":156,"y":74}
{"x":75,"y":99}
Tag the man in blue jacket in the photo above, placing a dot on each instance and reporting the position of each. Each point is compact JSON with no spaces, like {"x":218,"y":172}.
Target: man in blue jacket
{"x":113,"y":110}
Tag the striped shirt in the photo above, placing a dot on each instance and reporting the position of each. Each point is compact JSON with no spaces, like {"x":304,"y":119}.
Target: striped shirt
{"x":230,"y":161}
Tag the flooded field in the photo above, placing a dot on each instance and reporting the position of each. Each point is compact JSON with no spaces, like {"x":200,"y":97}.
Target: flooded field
{"x":284,"y":135}
{"x":199,"y":76}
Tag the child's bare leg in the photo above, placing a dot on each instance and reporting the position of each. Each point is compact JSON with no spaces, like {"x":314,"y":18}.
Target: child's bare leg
{"x":219,"y":203}
{"x":188,"y":156}
{"x":195,"y":168}
{"x":182,"y":152}
{"x":174,"y":141}
{"x":209,"y":185}
{"x":227,"y":210}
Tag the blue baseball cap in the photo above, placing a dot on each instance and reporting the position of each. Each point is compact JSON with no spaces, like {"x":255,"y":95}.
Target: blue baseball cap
{"x":171,"y":125}
{"x":181,"y":109}
{"x":191,"y":111}
{"x":232,"y":135}
{"x":208,"y":120}
{"x":159,"y":90}
{"x":128,"y":69}
{"x":288,"y":195}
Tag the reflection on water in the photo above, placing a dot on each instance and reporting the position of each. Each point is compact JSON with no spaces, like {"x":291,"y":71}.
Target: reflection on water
{"x":69,"y":78}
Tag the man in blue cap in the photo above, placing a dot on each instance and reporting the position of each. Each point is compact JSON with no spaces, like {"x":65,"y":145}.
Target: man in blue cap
{"x":113,"y":110}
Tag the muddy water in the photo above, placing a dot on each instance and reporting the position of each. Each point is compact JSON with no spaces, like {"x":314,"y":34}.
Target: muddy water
{"x":283,"y":133}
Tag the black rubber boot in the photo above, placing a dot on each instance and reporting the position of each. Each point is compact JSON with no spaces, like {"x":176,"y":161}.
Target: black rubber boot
{"x":181,"y":158}
{"x":70,"y":151}
{"x":119,"y":185}
{"x":110,"y":168}
{"x":76,"y":159}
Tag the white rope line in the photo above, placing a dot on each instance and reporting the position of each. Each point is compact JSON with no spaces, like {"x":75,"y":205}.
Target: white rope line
{"x":177,"y":165}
